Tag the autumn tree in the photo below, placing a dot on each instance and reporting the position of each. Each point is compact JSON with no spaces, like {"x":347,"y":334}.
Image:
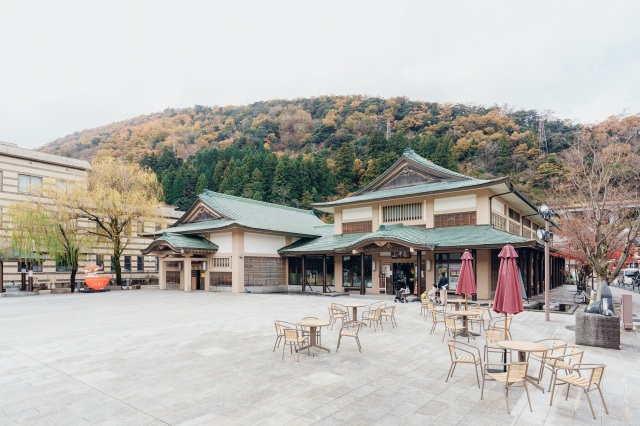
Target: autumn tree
{"x":598,"y":194}
{"x":116,"y":195}
{"x":45,"y":225}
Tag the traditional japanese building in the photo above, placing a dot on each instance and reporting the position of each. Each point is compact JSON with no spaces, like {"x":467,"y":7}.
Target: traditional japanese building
{"x":405,"y":228}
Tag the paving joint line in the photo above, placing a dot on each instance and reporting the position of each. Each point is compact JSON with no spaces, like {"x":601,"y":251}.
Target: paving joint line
{"x":84,"y":383}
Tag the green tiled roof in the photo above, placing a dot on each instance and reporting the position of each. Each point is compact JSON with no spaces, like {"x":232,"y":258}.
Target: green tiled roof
{"x":478,"y":236}
{"x":410,"y":154}
{"x":264,"y":216}
{"x":182,"y":242}
{"x":404,"y":191}
{"x":200,"y":226}
{"x":475,"y":236}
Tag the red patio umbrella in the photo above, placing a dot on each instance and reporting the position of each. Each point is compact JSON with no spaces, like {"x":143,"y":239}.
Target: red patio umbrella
{"x":466,"y":281}
{"x":508,"y":298}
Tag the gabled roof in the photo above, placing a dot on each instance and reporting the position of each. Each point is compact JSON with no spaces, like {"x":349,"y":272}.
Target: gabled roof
{"x":179,"y":243}
{"x":430,"y":178}
{"x":459,"y":237}
{"x":249,"y":214}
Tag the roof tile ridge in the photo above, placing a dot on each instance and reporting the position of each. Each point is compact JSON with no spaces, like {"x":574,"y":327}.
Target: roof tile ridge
{"x":263,"y":203}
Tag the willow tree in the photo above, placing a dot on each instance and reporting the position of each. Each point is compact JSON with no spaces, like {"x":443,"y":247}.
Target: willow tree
{"x":46,"y":226}
{"x":116,"y":195}
{"x":598,"y":195}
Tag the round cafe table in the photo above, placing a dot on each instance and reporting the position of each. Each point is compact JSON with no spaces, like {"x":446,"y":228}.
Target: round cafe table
{"x":314,"y":332}
{"x":465,"y":314}
{"x":354,"y":307}
{"x":523,"y":348}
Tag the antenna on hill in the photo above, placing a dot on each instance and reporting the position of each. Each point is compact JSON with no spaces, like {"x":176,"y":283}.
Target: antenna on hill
{"x":542,"y":132}
{"x":388,"y":129}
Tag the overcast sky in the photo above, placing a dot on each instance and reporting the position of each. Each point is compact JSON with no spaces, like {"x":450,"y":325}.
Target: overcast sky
{"x":70,"y":65}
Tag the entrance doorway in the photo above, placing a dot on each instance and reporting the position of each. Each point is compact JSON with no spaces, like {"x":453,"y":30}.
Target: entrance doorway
{"x":197,"y":281}
{"x":404,"y":275}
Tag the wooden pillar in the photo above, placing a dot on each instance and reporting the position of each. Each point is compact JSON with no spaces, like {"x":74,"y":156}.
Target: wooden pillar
{"x":416,"y":275}
{"x":362,"y":287}
{"x":324,"y":273}
{"x":304,"y":274}
{"x":1,"y":276}
{"x":186,"y":273}
{"x":162,"y":273}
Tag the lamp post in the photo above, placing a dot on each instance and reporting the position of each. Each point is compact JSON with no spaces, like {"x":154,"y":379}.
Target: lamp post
{"x":545,"y":236}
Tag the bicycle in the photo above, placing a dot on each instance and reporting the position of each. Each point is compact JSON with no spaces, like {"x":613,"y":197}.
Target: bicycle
{"x":581,"y":296}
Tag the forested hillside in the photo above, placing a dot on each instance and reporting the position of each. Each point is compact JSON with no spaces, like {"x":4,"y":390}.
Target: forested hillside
{"x":300,"y":151}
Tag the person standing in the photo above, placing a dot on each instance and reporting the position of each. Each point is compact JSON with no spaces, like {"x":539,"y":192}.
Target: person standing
{"x":443,"y":285}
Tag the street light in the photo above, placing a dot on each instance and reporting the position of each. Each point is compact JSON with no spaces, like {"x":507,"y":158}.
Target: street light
{"x":545,"y":236}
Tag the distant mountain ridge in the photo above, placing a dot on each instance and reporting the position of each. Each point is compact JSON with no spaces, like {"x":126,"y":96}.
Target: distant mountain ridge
{"x":352,"y":138}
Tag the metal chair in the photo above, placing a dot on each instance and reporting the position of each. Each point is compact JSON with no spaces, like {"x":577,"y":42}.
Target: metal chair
{"x":572,"y":356}
{"x":451,"y":326}
{"x":389,"y":313}
{"x":336,"y":313}
{"x":498,"y":324}
{"x":472,"y":357}
{"x":374,"y":317}
{"x":478,"y":319}
{"x":437,"y":318}
{"x":491,"y":337}
{"x":294,"y":339}
{"x":584,"y":376}
{"x":280,"y":326}
{"x":516,"y":374}
{"x":350,"y":329}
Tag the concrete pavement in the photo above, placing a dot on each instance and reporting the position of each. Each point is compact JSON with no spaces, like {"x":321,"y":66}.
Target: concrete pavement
{"x":170,"y":357}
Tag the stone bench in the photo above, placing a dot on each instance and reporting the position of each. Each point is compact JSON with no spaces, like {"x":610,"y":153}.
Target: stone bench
{"x":598,"y":330}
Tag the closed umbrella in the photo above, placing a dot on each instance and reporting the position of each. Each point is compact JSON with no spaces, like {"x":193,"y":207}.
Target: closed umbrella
{"x":466,"y":282}
{"x":508,"y":297}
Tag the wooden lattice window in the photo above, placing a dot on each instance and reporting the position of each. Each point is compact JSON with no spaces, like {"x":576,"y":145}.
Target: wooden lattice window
{"x":514,"y":227}
{"x":173,"y":277}
{"x":261,"y":271}
{"x":454,"y":219}
{"x":221,"y":262}
{"x":514,"y":215}
{"x":498,"y":221}
{"x":402,"y":212}
{"x":357,"y":227}
{"x":220,"y":279}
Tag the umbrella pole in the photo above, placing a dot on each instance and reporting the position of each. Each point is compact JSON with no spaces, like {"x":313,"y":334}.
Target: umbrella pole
{"x":505,"y":338}
{"x":466,"y":304}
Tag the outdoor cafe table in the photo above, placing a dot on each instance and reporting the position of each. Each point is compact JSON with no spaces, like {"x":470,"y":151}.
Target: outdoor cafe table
{"x":354,"y":307}
{"x":464,"y":315}
{"x":314,"y":332}
{"x":523,"y":348}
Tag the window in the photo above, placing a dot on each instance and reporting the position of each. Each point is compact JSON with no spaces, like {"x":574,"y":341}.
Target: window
{"x":402,"y":212}
{"x":140,"y":266}
{"x":351,"y":271}
{"x":30,"y":265}
{"x":63,"y":265}
{"x":140,"y":228}
{"x":514,"y":215}
{"x":127,"y":263}
{"x":29,"y":184}
{"x":218,"y":279}
{"x":264,"y":271}
{"x":222,"y":262}
{"x":498,"y":222}
{"x":454,"y":219}
{"x":157,"y":264}
{"x":100,"y":260}
{"x":450,"y":264}
{"x":356,"y":227}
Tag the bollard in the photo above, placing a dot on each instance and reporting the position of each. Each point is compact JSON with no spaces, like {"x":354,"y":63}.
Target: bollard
{"x":128,"y":283}
{"x":627,"y":312}
{"x":78,"y":285}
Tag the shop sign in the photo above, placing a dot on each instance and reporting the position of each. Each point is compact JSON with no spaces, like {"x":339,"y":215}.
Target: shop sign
{"x":400,"y":255}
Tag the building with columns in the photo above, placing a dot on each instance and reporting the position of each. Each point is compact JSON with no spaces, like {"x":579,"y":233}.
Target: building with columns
{"x":405,"y":228}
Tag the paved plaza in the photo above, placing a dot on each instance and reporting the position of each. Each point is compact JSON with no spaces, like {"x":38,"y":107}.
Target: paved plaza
{"x":170,"y":357}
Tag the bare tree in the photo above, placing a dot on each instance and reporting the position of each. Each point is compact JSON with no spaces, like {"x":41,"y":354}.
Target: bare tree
{"x":597,"y":195}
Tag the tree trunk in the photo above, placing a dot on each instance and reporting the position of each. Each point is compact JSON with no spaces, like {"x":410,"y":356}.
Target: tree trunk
{"x":74,"y":271}
{"x":115,"y":264}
